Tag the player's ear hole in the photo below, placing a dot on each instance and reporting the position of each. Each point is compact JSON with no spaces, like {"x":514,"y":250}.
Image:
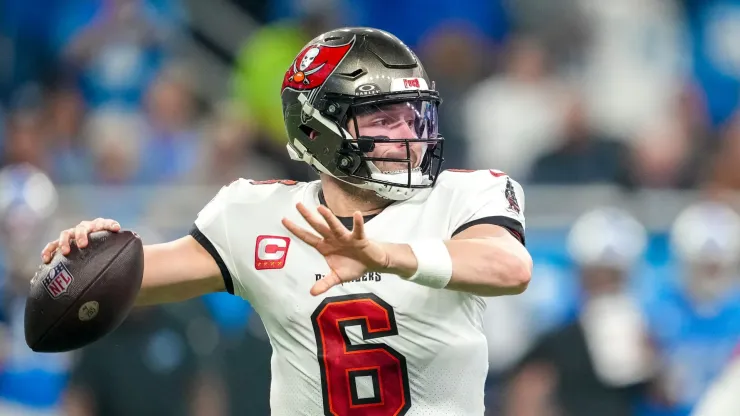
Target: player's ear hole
{"x":308,"y":131}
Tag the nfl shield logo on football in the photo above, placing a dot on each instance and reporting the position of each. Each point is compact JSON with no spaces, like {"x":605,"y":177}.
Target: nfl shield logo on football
{"x":58,"y":281}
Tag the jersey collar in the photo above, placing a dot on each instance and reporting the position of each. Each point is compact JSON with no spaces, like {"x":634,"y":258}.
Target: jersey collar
{"x":346,"y":221}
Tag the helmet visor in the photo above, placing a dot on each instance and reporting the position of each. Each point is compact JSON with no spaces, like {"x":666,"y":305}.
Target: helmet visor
{"x":396,"y":137}
{"x":416,"y":119}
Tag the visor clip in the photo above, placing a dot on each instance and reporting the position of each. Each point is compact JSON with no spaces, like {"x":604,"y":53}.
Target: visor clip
{"x":345,"y":162}
{"x":366,"y":144}
{"x":332,"y":108}
{"x":348,"y":163}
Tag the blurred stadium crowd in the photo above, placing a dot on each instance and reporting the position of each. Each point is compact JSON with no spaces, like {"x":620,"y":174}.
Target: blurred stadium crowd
{"x":620,"y":119}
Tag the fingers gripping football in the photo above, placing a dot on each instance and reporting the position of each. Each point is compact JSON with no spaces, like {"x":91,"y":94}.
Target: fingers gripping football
{"x":79,"y":235}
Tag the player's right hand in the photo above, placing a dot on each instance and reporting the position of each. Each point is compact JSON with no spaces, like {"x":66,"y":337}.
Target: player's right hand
{"x":79,"y":234}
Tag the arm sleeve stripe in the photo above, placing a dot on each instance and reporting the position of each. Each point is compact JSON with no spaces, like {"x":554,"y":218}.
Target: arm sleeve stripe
{"x":511,"y":225}
{"x":206,"y":243}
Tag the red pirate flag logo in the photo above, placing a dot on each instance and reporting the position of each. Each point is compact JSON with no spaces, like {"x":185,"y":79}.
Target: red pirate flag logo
{"x":511,"y":197}
{"x":313,"y":65}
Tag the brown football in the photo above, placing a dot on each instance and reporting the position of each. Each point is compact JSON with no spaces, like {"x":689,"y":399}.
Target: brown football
{"x":79,"y":298}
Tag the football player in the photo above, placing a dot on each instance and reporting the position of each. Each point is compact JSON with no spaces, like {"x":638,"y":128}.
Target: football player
{"x":694,"y":317}
{"x":370,"y":280}
{"x":600,"y":362}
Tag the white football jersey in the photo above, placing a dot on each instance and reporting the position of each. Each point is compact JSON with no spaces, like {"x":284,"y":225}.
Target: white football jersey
{"x":376,"y":346}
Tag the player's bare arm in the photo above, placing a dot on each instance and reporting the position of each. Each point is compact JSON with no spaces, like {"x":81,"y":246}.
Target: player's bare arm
{"x":173,"y":271}
{"x":486,"y":259}
{"x":178,"y":270}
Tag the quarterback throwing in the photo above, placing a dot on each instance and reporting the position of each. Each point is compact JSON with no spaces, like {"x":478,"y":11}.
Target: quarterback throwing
{"x":370,"y":280}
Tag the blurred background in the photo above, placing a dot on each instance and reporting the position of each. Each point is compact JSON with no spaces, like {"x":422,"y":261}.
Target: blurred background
{"x":619,"y":118}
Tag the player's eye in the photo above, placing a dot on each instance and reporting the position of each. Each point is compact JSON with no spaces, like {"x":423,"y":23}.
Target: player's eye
{"x":380,"y":121}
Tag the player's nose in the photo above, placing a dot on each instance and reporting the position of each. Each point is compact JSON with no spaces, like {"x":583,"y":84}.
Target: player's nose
{"x":402,"y":131}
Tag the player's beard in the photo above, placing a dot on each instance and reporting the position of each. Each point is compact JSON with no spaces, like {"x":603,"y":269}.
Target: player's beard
{"x":363,"y":197}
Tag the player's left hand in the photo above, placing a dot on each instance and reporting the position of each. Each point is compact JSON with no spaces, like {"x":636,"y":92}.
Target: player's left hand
{"x":349,"y":254}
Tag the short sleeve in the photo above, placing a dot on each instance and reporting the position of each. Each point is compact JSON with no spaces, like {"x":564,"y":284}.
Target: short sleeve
{"x":489,"y":197}
{"x":211,"y":230}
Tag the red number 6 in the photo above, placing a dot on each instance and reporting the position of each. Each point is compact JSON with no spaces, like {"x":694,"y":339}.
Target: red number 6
{"x":344,"y":365}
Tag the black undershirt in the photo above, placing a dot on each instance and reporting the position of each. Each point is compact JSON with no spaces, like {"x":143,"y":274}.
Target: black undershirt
{"x":346,"y":221}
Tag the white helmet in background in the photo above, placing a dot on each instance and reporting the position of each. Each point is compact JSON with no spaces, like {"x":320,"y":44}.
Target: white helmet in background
{"x":607,"y":237}
{"x":707,"y":232}
{"x":706,"y":239}
{"x":606,"y":243}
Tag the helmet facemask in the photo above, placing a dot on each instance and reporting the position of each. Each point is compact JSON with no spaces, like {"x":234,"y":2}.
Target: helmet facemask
{"x":390,"y":145}
{"x":396,"y":142}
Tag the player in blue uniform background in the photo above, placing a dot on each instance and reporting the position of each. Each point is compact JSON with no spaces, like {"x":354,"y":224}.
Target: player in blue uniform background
{"x":694,"y":311}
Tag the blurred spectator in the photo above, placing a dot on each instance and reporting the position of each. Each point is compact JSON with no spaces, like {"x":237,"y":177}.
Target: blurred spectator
{"x":118,"y":53}
{"x":412,"y":20}
{"x":725,"y":171}
{"x":713,"y":30}
{"x":690,"y":112}
{"x":583,"y":157}
{"x":455,"y":56}
{"x":30,"y":383}
{"x":65,"y":116}
{"x":663,"y":156}
{"x":115,"y":141}
{"x":674,"y":152}
{"x":513,"y":118}
{"x":228,"y":151}
{"x":153,"y":364}
{"x":28,"y":201}
{"x":25,"y":138}
{"x":26,"y":55}
{"x":634,"y":63}
{"x":171,"y":138}
{"x":694,"y":316}
{"x":559,"y":24}
{"x":600,"y":363}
